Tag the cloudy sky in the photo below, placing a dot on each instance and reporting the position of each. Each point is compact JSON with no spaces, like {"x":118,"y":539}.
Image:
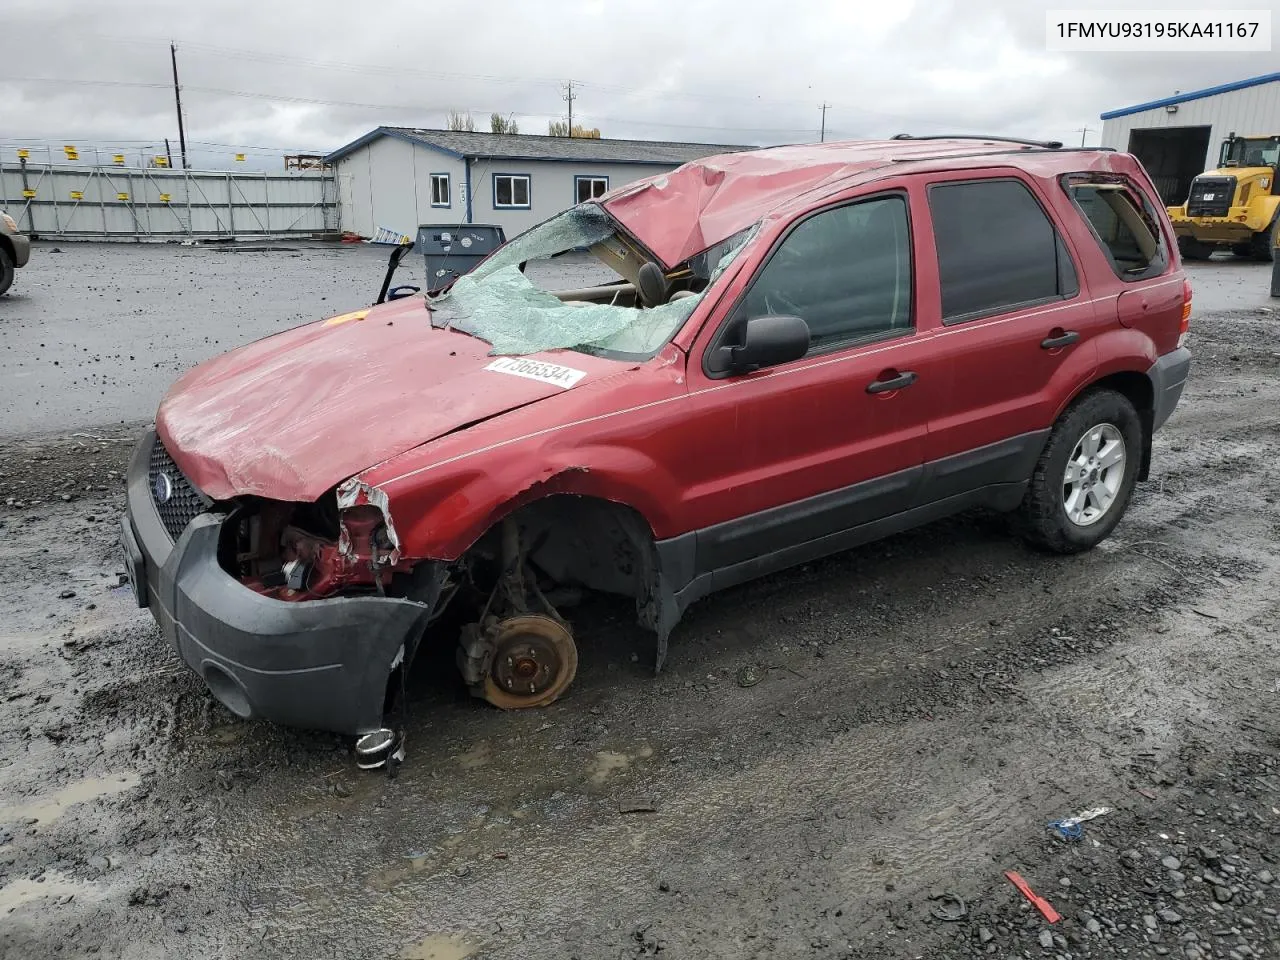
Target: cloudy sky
{"x":312,"y":76}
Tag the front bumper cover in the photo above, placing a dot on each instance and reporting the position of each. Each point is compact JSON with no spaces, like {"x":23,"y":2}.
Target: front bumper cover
{"x":317,"y":664}
{"x":21,"y":248}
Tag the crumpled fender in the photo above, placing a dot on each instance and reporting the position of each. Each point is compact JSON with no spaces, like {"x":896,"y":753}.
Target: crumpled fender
{"x":448,"y":510}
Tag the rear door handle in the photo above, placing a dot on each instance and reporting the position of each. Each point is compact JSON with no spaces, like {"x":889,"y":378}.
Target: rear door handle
{"x":893,"y":381}
{"x":1059,"y":339}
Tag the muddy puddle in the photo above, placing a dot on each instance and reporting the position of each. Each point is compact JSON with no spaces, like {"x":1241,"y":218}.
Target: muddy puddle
{"x":50,"y":807}
{"x":440,"y":947}
{"x":51,"y":884}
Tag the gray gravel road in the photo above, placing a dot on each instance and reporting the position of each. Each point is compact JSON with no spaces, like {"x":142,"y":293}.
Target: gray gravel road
{"x":926,"y":706}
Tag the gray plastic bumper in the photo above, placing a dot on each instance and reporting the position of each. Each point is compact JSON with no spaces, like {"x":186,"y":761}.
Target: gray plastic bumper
{"x":21,"y":248}
{"x":1168,"y":377}
{"x":317,"y":664}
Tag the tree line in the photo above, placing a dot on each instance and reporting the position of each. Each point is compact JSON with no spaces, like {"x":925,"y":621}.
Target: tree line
{"x":499,"y":124}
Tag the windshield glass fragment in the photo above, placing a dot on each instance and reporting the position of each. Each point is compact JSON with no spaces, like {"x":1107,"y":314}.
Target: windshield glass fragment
{"x":575,"y":282}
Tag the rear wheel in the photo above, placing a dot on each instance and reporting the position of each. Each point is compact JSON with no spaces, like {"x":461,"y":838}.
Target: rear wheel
{"x":6,"y":271}
{"x":1193,"y":249}
{"x":1084,"y":478}
{"x":1263,"y":246}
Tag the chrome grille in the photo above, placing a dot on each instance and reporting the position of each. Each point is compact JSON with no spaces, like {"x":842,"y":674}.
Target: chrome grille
{"x":182,"y":503}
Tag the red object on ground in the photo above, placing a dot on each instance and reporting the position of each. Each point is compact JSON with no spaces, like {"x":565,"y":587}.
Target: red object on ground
{"x":1040,"y":903}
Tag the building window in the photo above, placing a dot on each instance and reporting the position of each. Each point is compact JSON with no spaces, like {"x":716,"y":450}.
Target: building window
{"x":588,"y":188}
{"x":511,"y":191}
{"x":440,"y":190}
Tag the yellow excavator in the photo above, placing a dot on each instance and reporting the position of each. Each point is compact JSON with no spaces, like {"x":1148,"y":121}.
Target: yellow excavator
{"x":1236,"y":205}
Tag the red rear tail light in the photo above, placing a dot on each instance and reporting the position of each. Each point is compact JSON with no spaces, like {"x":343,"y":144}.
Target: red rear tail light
{"x":1185,"y":325}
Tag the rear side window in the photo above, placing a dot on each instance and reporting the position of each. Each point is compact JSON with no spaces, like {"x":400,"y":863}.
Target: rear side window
{"x":1122,"y":222}
{"x":997,"y":249}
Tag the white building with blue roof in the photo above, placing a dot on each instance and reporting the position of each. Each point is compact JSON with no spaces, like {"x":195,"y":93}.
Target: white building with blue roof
{"x":1178,"y":137}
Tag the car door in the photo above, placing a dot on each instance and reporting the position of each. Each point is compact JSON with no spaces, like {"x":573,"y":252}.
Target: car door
{"x":1017,"y":325}
{"x":783,"y":457}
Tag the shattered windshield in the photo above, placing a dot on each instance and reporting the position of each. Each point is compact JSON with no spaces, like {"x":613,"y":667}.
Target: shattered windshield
{"x":575,"y":282}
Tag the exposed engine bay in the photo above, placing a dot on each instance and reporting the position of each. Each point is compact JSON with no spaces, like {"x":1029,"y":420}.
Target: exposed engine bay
{"x":310,"y":551}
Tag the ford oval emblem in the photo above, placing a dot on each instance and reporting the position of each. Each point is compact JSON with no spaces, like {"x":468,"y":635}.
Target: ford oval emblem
{"x":162,"y":487}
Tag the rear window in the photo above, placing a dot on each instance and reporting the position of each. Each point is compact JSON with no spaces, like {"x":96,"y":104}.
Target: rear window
{"x":997,"y":249}
{"x":1123,"y":223}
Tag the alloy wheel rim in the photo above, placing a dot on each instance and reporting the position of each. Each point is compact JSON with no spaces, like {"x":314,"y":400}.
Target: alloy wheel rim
{"x":1094,"y":474}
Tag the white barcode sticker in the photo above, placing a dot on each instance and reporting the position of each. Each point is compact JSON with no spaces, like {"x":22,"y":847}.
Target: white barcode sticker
{"x":539,"y":370}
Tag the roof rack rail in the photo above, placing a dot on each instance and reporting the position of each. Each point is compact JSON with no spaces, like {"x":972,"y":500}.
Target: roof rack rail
{"x":1047,"y":144}
{"x":1021,"y":151}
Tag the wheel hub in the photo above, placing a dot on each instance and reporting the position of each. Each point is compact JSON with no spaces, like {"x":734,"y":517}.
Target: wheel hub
{"x":526,"y":664}
{"x":533,"y":661}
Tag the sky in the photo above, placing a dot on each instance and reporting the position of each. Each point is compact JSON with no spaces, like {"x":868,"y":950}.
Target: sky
{"x":274,"y":76}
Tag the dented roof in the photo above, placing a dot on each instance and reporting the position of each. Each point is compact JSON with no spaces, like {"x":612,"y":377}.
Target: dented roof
{"x":681,"y":213}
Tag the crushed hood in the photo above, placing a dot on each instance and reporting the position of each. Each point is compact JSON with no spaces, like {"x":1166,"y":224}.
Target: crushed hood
{"x":289,"y":416}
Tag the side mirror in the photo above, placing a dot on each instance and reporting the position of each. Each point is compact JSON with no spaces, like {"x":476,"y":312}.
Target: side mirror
{"x":766,"y":342}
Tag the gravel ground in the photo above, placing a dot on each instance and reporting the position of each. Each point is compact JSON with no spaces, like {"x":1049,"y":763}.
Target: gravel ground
{"x":925,"y":707}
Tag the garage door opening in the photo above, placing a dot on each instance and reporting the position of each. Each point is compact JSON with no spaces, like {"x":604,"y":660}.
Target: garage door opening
{"x":1173,"y":156}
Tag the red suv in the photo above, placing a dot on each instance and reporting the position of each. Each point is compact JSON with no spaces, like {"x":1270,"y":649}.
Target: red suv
{"x":798,"y":350}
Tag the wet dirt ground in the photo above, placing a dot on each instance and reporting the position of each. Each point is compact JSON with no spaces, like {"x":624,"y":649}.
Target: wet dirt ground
{"x":826,"y":750}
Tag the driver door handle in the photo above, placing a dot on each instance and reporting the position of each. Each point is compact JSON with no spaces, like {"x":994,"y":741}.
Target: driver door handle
{"x":891,"y":380}
{"x":1059,"y":338}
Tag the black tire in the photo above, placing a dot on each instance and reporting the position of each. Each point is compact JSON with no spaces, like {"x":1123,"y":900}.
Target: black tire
{"x":1193,"y":249}
{"x":1243,"y":249}
{"x":1263,"y":243}
{"x":6,"y":271}
{"x":1042,"y":517}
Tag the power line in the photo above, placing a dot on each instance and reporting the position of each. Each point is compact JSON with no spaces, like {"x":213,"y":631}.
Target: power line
{"x":89,"y":83}
{"x":320,"y":101}
{"x":404,"y":72}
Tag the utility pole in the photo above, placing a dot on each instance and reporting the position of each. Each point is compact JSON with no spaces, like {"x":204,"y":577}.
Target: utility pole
{"x":570,"y":97}
{"x":824,"y":106}
{"x":177,"y":96}
{"x":168,"y":153}
{"x":1084,"y":131}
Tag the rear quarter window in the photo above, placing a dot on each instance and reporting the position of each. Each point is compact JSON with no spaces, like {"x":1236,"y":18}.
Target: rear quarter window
{"x":1122,"y":222}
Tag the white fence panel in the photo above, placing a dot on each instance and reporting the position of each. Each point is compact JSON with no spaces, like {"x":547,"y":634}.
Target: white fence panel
{"x":73,"y":201}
